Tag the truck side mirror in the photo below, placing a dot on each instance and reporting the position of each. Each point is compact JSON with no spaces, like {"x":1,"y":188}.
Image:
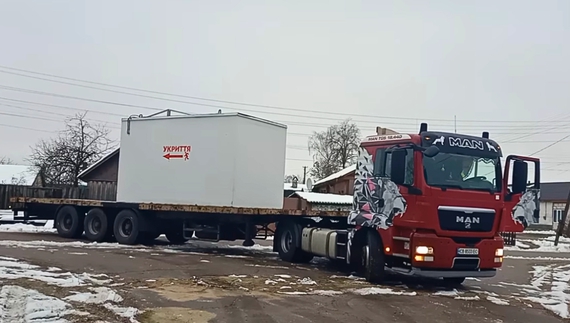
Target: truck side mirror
{"x":398,"y":166}
{"x":431,"y":151}
{"x":520,"y":176}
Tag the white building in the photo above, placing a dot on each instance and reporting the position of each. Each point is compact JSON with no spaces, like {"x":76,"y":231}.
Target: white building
{"x":552,"y":202}
{"x":19,"y":175}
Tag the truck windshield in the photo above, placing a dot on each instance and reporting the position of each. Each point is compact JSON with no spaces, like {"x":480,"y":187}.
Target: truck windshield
{"x":462,"y":172}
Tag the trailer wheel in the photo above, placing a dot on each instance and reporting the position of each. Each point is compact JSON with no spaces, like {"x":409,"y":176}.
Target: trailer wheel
{"x":176,"y":237}
{"x":97,"y":226}
{"x":69,"y":223}
{"x":126,"y":227}
{"x":288,"y":236}
{"x":373,"y":258}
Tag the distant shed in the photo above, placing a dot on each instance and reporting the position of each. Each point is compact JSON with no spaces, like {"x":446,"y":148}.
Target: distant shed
{"x":101,"y":177}
{"x":320,"y":201}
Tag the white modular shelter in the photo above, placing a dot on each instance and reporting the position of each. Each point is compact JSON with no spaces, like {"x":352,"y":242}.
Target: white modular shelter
{"x":223,"y":159}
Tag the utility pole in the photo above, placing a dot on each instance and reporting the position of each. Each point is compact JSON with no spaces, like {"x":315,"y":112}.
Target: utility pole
{"x":304,"y":174}
{"x":563,"y":223}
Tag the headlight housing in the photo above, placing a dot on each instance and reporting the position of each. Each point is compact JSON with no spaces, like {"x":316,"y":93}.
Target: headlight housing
{"x":424,"y":250}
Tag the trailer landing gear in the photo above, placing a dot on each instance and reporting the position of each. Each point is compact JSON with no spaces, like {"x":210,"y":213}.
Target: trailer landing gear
{"x":176,"y":237}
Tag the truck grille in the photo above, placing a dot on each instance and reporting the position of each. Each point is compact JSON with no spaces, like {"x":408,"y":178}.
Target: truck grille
{"x":466,"y":219}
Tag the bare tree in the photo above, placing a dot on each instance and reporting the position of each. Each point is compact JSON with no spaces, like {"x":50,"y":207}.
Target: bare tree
{"x":6,"y":161}
{"x":334,"y":149}
{"x":63,"y":158}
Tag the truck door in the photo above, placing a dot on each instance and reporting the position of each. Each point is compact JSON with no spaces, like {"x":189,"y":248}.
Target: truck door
{"x":521,"y":193}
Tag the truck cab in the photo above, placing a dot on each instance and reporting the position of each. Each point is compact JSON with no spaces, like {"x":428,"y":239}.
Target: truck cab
{"x":433,"y":204}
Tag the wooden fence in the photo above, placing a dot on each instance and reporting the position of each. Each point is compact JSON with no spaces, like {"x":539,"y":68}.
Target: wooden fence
{"x":94,"y":191}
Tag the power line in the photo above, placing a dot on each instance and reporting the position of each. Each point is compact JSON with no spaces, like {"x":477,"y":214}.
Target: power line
{"x":552,"y":144}
{"x":116,"y":127}
{"x":62,"y":107}
{"x":216,"y":100}
{"x":76,"y":98}
{"x":152,"y":108}
{"x":206,"y":105}
{"x":25,"y":128}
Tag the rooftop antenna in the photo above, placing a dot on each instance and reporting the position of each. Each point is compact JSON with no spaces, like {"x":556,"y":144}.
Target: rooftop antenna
{"x":455,"y":123}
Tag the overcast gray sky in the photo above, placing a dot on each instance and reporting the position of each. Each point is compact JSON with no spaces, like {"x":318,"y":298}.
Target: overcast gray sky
{"x":501,"y":66}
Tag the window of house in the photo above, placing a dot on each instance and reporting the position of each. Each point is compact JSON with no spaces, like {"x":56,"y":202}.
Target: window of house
{"x":557,"y":215}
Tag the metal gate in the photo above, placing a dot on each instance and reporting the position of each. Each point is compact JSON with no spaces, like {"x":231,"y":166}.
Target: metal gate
{"x":510,"y":238}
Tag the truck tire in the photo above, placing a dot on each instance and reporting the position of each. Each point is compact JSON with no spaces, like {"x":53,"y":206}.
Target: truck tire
{"x":176,"y":237}
{"x":126,"y":227}
{"x":373,"y":258}
{"x":453,"y":281}
{"x":69,"y":223}
{"x":97,"y":226}
{"x":289,"y":236}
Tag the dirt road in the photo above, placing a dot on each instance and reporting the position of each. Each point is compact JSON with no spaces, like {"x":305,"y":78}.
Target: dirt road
{"x":205,"y":282}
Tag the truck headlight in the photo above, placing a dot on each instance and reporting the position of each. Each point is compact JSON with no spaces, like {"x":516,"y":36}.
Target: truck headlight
{"x":499,"y":252}
{"x":424,"y":250}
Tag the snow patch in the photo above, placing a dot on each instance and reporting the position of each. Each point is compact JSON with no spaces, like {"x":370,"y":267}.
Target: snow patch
{"x":497,"y":301}
{"x":555,"y":279}
{"x":22,"y":270}
{"x":100,"y":295}
{"x":546,"y":232}
{"x":18,"y":304}
{"x":538,"y":258}
{"x":307,"y":281}
{"x":326,"y":292}
{"x":380,"y":291}
{"x":255,"y":247}
{"x":27,"y":228}
{"x":543,"y":246}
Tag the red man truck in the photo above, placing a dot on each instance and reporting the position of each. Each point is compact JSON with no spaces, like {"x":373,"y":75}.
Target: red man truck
{"x":430,"y":204}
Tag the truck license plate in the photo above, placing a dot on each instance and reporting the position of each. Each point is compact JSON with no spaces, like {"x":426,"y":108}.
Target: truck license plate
{"x":468,"y":251}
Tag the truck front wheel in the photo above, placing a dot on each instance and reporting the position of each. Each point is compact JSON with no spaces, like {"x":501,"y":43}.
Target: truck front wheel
{"x":373,"y":258}
{"x":288,"y":238}
{"x":69,"y":223}
{"x":126,"y":227}
{"x":97,"y":226}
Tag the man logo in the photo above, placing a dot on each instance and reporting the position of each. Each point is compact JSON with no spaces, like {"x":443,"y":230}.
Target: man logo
{"x":490,"y":147}
{"x":467,"y":220}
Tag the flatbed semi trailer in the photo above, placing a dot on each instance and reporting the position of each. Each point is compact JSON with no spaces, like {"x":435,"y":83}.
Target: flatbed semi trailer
{"x":133,"y":223}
